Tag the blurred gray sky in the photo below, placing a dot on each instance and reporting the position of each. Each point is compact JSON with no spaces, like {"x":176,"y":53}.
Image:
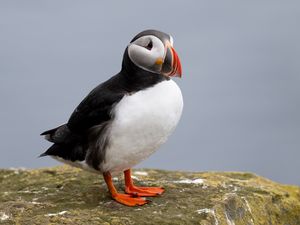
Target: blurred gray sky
{"x":241,"y":64}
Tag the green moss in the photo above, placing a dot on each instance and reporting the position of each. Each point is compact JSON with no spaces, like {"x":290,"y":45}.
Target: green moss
{"x":65,"y":195}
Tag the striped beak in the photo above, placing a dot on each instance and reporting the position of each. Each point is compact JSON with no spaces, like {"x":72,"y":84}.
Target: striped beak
{"x":171,"y":65}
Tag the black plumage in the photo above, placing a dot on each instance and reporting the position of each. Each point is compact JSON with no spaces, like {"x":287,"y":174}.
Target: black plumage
{"x":77,"y":139}
{"x":125,"y":119}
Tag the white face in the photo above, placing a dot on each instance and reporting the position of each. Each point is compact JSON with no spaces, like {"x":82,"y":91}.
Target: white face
{"x":147,"y":52}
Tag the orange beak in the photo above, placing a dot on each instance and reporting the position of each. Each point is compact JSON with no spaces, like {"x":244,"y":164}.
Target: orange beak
{"x":170,"y":65}
{"x":176,"y":65}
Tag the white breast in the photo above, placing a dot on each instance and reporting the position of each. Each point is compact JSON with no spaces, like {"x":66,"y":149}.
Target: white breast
{"x":143,"y":121}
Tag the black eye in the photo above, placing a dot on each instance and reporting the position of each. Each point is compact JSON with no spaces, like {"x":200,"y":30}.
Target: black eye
{"x":149,"y":45}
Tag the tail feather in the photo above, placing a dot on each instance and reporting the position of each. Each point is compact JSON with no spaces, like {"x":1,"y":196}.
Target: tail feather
{"x":60,"y":134}
{"x":55,"y":149}
{"x":48,"y":135}
{"x":42,"y":155}
{"x":67,"y":145}
{"x":50,"y":131}
{"x":73,"y":153}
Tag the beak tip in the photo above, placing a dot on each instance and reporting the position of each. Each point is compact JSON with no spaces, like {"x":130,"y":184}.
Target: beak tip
{"x":176,"y":64}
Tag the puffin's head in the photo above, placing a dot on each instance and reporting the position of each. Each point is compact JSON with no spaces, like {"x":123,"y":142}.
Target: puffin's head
{"x":153,"y":51}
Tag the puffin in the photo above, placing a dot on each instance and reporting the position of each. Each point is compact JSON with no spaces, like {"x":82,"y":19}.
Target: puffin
{"x":125,"y":119}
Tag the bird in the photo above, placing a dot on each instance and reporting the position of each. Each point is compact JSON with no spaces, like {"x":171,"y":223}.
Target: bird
{"x":125,"y":119}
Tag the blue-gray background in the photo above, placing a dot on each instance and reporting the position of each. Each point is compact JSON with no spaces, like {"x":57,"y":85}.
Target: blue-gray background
{"x":241,"y":64}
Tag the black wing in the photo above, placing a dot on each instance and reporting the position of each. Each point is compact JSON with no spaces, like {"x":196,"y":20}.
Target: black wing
{"x":71,"y":139}
{"x":94,"y":109}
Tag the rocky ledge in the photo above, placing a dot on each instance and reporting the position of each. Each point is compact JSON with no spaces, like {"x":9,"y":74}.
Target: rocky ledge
{"x":65,"y":195}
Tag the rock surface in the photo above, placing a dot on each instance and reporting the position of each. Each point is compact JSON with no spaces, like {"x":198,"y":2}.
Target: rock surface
{"x":65,"y":195}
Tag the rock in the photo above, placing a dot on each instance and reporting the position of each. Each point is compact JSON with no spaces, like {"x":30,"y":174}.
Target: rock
{"x":65,"y":195}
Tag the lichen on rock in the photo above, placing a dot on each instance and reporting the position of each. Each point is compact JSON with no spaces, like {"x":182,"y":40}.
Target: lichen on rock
{"x":65,"y":195}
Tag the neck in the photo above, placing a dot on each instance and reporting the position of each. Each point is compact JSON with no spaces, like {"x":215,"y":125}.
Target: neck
{"x":137,"y":77}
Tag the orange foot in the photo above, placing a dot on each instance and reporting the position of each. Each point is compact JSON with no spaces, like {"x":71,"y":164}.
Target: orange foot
{"x":124,"y":199}
{"x":129,"y":200}
{"x":130,"y":188}
{"x":144,"y":191}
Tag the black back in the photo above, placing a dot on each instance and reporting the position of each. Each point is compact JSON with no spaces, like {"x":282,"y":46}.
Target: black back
{"x":73,"y":139}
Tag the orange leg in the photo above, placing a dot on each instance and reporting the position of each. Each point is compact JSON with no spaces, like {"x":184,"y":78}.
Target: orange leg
{"x":124,"y":199}
{"x":130,"y":188}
